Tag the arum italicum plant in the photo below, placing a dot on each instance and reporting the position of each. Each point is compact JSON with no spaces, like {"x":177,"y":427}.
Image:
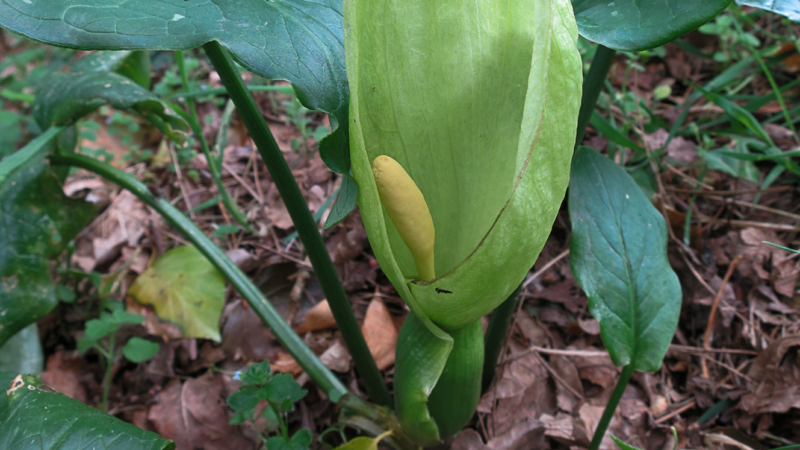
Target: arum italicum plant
{"x":463,"y":120}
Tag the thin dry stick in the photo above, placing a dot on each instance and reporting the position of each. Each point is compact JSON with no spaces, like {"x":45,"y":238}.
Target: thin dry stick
{"x":553,"y":351}
{"x":759,"y":207}
{"x":520,"y":301}
{"x":692,"y":403}
{"x":764,"y":225}
{"x":558,"y":378}
{"x":687,"y":178}
{"x":713,"y":314}
{"x":243,"y":183}
{"x":730,"y":193}
{"x":544,"y":269}
{"x":179,"y":175}
{"x":726,"y":366}
{"x":689,"y":349}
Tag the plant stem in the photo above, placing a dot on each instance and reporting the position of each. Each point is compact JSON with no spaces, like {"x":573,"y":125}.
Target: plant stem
{"x":213,"y":165}
{"x":608,"y":413}
{"x":332,"y":386}
{"x":496,"y":334}
{"x":592,"y":85}
{"x":303,"y":222}
{"x":109,"y":368}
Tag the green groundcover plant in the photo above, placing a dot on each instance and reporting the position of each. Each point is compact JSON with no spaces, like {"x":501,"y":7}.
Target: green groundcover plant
{"x":453,"y":127}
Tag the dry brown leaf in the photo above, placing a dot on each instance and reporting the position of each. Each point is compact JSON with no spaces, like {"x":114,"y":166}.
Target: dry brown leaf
{"x":64,"y":374}
{"x":468,"y":439}
{"x":285,"y":363}
{"x":522,"y":391}
{"x":679,"y":149}
{"x":566,"y":370}
{"x":317,"y":318}
{"x":526,"y":434}
{"x":124,"y":223}
{"x":380,"y":333}
{"x":194,"y":415}
{"x":336,"y":358}
{"x":590,"y":326}
{"x":244,"y":336}
{"x":776,"y":376}
{"x":152,"y":323}
{"x":560,"y":427}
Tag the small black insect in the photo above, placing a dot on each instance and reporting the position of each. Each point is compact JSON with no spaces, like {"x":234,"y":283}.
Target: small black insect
{"x":443,"y":291}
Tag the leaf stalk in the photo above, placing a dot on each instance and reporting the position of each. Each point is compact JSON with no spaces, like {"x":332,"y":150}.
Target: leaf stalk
{"x":496,"y":334}
{"x":592,"y":85}
{"x":611,"y":406}
{"x":303,"y":221}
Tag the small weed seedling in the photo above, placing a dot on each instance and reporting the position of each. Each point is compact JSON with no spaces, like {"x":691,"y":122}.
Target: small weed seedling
{"x":106,"y":326}
{"x":281,"y":392}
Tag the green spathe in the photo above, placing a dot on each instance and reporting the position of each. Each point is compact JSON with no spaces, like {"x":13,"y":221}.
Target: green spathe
{"x":478,"y":102}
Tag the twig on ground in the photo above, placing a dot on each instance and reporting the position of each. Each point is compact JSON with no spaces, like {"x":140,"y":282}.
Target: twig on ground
{"x":714,"y":306}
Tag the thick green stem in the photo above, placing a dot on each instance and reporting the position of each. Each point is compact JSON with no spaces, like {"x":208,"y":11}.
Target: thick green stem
{"x":290,"y":340}
{"x":303,"y":222}
{"x":213,"y":165}
{"x":109,"y":369}
{"x":496,"y":335}
{"x":592,"y":85}
{"x":611,"y":407}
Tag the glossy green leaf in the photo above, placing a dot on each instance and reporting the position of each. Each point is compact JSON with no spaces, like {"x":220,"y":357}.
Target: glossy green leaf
{"x":67,"y":98}
{"x":34,"y":417}
{"x":36,"y":222}
{"x":23,"y":353}
{"x":492,"y":164}
{"x":633,"y":25}
{"x":186,"y":289}
{"x":138,"y":349}
{"x":297,"y":40}
{"x":788,"y":8}
{"x":618,"y":253}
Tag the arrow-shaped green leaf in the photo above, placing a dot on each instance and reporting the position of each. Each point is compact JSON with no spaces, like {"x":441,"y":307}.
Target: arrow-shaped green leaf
{"x":301,"y":41}
{"x":33,"y":416}
{"x":633,"y":25}
{"x":618,"y":253}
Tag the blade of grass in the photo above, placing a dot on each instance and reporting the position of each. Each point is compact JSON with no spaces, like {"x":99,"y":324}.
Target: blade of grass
{"x":738,"y":14}
{"x":214,"y":163}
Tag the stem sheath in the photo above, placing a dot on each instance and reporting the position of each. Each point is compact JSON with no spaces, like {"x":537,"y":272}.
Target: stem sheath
{"x":303,"y":221}
{"x":332,"y":386}
{"x":613,"y":402}
{"x":592,"y":85}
